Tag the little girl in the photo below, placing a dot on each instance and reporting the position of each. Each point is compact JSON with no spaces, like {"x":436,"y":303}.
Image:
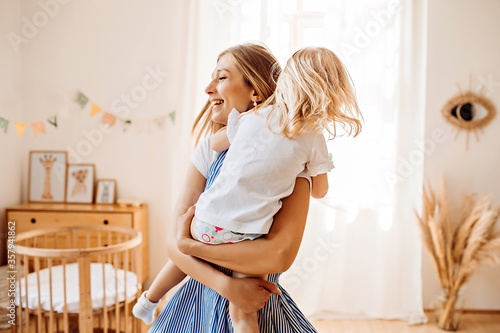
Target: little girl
{"x":271,"y":146}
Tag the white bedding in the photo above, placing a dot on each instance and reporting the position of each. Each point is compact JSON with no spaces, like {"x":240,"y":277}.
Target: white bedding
{"x":73,"y":287}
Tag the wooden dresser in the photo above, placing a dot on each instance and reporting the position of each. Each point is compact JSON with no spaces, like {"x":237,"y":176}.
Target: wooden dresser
{"x":29,"y":216}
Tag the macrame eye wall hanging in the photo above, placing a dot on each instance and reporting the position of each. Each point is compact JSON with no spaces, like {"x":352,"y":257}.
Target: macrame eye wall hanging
{"x":469,"y":111}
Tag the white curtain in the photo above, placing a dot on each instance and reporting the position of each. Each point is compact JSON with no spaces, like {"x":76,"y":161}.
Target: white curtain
{"x":204,"y":36}
{"x":361,"y":252}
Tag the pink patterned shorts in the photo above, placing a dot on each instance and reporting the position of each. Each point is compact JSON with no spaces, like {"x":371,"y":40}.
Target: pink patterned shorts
{"x":210,"y":234}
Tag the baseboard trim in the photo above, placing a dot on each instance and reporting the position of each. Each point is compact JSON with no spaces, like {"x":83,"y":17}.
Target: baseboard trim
{"x":475,"y":311}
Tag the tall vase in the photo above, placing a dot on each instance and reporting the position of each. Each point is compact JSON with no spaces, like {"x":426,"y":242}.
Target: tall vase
{"x":448,"y":309}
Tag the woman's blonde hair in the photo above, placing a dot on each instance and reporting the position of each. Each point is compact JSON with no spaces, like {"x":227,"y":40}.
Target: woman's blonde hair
{"x":315,"y":93}
{"x":260,"y":70}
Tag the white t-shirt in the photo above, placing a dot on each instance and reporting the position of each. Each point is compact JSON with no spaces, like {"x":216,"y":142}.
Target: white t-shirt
{"x":203,"y":156}
{"x":259,"y":170}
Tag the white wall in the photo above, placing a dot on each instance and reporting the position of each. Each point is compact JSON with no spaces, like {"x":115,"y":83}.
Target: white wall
{"x":463,"y":40}
{"x":105,"y":49}
{"x":11,"y":109}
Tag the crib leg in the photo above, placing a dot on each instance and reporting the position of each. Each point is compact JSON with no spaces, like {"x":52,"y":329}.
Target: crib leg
{"x":85,"y":320}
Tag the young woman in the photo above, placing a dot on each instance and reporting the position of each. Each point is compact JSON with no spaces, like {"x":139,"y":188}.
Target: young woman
{"x":243,"y":73}
{"x":270,"y":147}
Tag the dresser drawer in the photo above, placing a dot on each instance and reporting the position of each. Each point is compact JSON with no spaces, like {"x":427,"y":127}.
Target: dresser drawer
{"x":34,"y":220}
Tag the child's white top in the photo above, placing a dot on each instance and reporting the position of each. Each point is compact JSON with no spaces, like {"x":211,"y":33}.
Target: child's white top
{"x":259,"y":170}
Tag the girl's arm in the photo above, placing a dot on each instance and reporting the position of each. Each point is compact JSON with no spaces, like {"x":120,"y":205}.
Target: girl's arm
{"x":219,"y":141}
{"x":272,"y":253}
{"x":249,"y":294}
{"x":319,"y":186}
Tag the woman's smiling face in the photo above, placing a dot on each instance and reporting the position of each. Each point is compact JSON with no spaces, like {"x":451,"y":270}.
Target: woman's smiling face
{"x":228,"y":90}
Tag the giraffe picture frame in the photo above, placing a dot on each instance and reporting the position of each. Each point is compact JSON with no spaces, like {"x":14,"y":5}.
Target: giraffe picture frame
{"x":105,"y":191}
{"x":80,"y":184}
{"x":47,"y":176}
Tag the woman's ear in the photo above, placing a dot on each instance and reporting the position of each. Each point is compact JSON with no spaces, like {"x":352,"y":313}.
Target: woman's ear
{"x":256,"y":97}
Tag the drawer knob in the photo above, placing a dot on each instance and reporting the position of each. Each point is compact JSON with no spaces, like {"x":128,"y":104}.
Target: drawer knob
{"x":106,"y":222}
{"x":33,"y":220}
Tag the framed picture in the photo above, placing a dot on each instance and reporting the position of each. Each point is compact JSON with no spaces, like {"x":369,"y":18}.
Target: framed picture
{"x":106,"y":191}
{"x":47,"y":176}
{"x":80,"y":187}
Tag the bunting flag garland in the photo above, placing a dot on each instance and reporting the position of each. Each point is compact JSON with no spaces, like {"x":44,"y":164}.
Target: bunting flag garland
{"x":94,"y":110}
{"x":126,"y":124}
{"x":172,"y":116}
{"x":20,"y":128}
{"x":52,"y":120}
{"x":109,"y":119}
{"x":160,"y":122}
{"x":65,"y":111}
{"x":38,"y":128}
{"x":4,"y":123}
{"x":81,"y":99}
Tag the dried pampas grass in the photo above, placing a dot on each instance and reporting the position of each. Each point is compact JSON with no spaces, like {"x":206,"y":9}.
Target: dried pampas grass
{"x":457,"y":247}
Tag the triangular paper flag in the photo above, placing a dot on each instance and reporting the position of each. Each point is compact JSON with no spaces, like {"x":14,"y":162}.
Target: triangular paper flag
{"x":20,"y":128}
{"x":53,"y":121}
{"x":81,"y":99}
{"x":4,"y":123}
{"x":109,"y":119}
{"x":172,"y":116}
{"x":142,"y":125}
{"x":65,"y":111}
{"x":94,"y":110}
{"x":126,"y":124}
{"x":160,"y":122}
{"x":38,"y":128}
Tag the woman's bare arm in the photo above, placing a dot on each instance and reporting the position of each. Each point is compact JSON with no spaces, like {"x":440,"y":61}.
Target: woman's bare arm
{"x":272,"y":253}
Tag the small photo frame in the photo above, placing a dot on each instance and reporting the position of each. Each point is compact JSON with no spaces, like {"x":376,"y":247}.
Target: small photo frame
{"x":106,"y":191}
{"x":80,"y":187}
{"x":47,"y":176}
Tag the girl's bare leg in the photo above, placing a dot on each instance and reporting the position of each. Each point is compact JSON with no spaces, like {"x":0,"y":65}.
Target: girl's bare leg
{"x":168,"y":278}
{"x":244,"y":322}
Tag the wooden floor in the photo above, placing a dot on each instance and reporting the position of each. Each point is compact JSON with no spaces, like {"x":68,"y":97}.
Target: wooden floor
{"x":470,"y":323}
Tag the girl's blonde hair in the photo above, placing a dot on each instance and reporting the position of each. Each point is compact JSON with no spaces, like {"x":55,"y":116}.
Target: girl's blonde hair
{"x":260,"y":71}
{"x":315,"y":93}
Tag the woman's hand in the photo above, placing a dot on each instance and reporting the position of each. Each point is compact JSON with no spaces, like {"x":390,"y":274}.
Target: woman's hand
{"x":249,"y":294}
{"x":184,"y":228}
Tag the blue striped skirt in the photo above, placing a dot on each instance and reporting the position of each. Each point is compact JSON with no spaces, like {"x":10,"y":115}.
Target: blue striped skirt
{"x":196,"y":308}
